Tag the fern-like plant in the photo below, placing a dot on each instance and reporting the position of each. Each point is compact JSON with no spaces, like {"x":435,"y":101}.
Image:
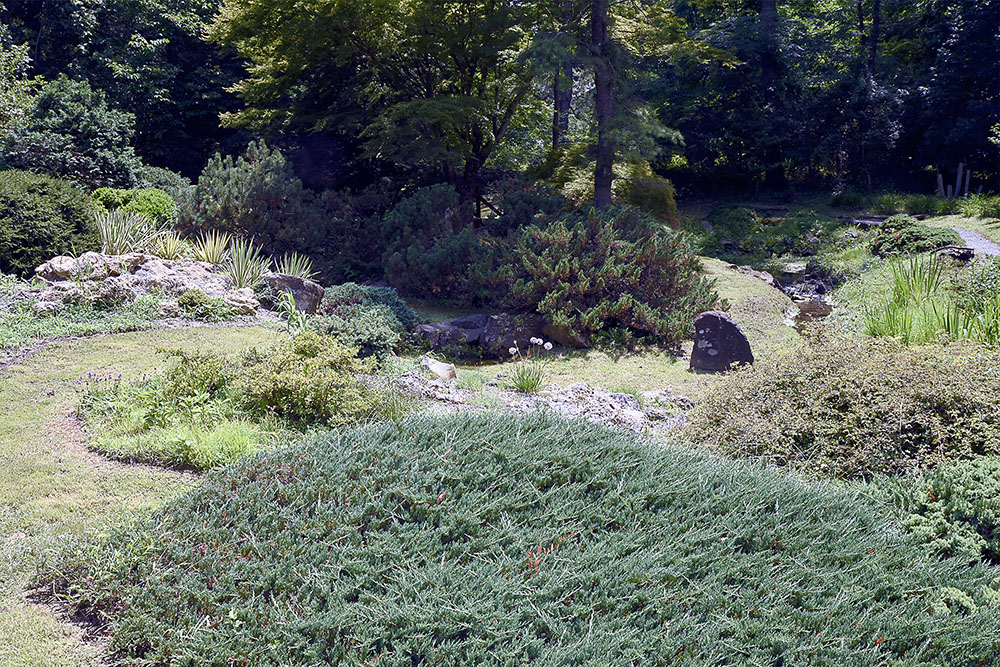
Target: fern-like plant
{"x":212,"y":247}
{"x":245,"y":266}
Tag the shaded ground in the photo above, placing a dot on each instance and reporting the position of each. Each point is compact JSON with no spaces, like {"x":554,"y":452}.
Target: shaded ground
{"x":52,"y":486}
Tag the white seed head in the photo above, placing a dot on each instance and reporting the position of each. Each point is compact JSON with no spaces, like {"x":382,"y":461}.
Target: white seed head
{"x":512,"y":351}
{"x":548,"y":346}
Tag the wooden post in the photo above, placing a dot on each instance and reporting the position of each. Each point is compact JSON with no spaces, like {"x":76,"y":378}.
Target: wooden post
{"x":949,"y":191}
{"x":940,"y":189}
{"x":958,"y":180}
{"x":968,"y":173}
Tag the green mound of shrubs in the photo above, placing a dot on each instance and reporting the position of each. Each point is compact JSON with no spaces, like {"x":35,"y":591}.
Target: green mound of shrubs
{"x":41,"y":217}
{"x":604,"y":271}
{"x":207,"y":409}
{"x":198,"y":305}
{"x":486,"y":540}
{"x":853,"y":408}
{"x":955,"y":509}
{"x":155,"y":204}
{"x":741,"y":234}
{"x":375,"y":320}
{"x":902,"y":234}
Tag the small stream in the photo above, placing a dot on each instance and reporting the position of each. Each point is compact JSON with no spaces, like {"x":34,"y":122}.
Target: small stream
{"x":810,"y":311}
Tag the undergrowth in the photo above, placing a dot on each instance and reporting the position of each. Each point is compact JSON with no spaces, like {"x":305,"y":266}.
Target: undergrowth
{"x":490,"y":539}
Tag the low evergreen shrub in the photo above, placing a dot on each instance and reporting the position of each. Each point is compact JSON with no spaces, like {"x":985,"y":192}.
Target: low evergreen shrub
{"x":496,"y":540}
{"x":853,"y":408}
{"x":596,"y":271}
{"x":901,"y":234}
{"x":156,"y":205}
{"x":742,"y":235}
{"x":372,"y":328}
{"x":198,"y":305}
{"x":41,"y":217}
{"x":369,"y":295}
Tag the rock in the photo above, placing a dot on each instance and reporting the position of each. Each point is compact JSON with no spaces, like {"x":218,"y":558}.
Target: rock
{"x":46,"y":307}
{"x":170,"y":309}
{"x":175,"y":277}
{"x":471,"y":327}
{"x":308,"y":294}
{"x":440,"y":370}
{"x":504,"y":331}
{"x":113,"y":291}
{"x":792,"y":271}
{"x":760,"y":275}
{"x":242,"y":301}
{"x":958,"y":253}
{"x":719,"y":343}
{"x":563,"y":336}
{"x":440,"y":335}
{"x":57,"y":268}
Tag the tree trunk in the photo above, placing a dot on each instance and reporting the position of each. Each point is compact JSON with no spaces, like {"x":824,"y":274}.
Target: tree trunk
{"x":874,"y":36}
{"x":603,"y":104}
{"x":562,"y":100}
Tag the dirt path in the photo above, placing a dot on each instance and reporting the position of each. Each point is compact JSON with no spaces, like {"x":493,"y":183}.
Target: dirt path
{"x":982,"y":245}
{"x":52,"y":486}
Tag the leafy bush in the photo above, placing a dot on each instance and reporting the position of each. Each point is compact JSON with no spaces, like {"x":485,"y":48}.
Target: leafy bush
{"x":41,"y":217}
{"x":309,"y":379}
{"x":194,"y":303}
{"x":980,"y":206}
{"x":854,"y":408}
{"x":255,"y":196}
{"x":955,"y":508}
{"x":898,"y":202}
{"x":522,"y":205}
{"x":850,"y":199}
{"x":487,"y":540}
{"x":599,"y":270}
{"x":371,"y":328}
{"x":176,"y":186}
{"x":352,"y":293}
{"x":741,"y":234}
{"x":429,"y":244}
{"x":156,"y":205}
{"x":70,"y":132}
{"x":903,"y":234}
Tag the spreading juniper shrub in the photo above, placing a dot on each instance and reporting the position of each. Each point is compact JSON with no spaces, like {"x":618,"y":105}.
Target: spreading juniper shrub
{"x":487,"y":540}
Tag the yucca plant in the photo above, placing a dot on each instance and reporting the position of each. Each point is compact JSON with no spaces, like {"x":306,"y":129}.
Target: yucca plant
{"x":245,"y":266}
{"x":295,"y":264}
{"x":212,"y":247}
{"x":124,"y":232}
{"x":170,"y":245}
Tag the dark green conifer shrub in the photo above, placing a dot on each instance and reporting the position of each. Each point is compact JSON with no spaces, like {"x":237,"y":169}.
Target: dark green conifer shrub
{"x":371,"y":328}
{"x":903,"y":234}
{"x":611,"y":269}
{"x":429,"y":244}
{"x":497,"y":540}
{"x":155,"y":204}
{"x":70,"y":132}
{"x":353,"y":293}
{"x":255,"y":195}
{"x":854,"y":408}
{"x":41,"y":217}
{"x":955,"y":509}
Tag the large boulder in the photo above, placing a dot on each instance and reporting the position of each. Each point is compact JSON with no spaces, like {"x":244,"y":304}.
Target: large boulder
{"x":308,"y":294}
{"x":174,"y":277}
{"x":719,"y":343}
{"x":504,"y":331}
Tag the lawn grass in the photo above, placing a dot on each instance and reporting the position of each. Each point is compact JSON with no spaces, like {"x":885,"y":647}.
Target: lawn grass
{"x":51,"y":485}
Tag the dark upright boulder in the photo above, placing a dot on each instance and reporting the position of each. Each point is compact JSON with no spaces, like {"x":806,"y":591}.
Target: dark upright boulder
{"x":719,"y":343}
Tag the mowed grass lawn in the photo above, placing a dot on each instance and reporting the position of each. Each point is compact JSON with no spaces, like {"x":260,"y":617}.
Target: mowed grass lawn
{"x":51,"y":485}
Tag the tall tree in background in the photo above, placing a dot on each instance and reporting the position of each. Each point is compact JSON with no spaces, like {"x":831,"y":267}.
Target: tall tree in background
{"x":439,"y":81}
{"x":604,"y":102}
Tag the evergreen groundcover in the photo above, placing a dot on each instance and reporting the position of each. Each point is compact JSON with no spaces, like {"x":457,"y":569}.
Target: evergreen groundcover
{"x":485,"y":539}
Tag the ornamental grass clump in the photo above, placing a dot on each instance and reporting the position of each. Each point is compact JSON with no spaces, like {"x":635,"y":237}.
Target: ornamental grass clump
{"x":857,"y":407}
{"x":484,"y":539}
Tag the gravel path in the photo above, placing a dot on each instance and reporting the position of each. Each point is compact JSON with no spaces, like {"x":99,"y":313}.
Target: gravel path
{"x":978,"y":242}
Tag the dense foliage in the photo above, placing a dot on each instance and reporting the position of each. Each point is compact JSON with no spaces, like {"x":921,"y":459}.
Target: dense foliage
{"x":492,"y":540}
{"x":903,"y":234}
{"x":601,"y":270}
{"x":255,"y":195}
{"x":158,"y":206}
{"x":375,"y":320}
{"x":206,"y":409}
{"x":41,"y":217}
{"x":741,"y":234}
{"x":855,"y":408}
{"x":71,"y":132}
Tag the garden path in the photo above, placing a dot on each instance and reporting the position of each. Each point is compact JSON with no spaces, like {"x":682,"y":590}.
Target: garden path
{"x":978,"y":242}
